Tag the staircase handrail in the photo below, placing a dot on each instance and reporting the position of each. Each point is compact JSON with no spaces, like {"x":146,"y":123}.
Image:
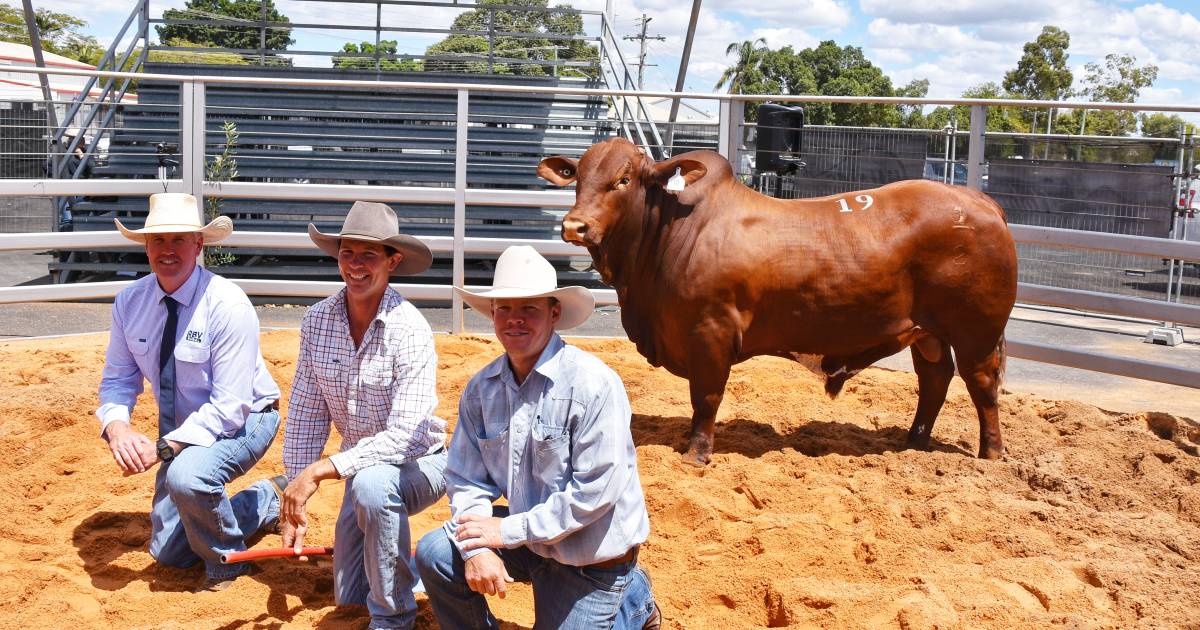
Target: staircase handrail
{"x":639,"y":114}
{"x":109,"y":57}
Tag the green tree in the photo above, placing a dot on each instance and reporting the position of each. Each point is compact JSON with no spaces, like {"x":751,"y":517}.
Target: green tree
{"x":1042,"y":72}
{"x":912,"y":116}
{"x":1160,"y":125}
{"x":747,"y":70}
{"x":998,"y":118}
{"x":198,"y":57}
{"x":1119,"y":80}
{"x":387,"y":52}
{"x":827,"y":69}
{"x":226,"y":36}
{"x":533,"y":19}
{"x":845,"y":71}
{"x":222,"y":168}
{"x":59,"y":33}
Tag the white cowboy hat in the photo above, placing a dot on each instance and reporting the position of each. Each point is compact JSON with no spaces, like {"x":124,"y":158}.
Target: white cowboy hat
{"x":376,"y":223}
{"x":172,"y":213}
{"x":521,"y":272}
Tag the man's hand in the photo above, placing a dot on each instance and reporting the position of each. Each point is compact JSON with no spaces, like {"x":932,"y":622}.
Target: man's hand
{"x":293,"y":520}
{"x":487,"y":575}
{"x":293,"y":535}
{"x":476,"y":531}
{"x":133,"y":451}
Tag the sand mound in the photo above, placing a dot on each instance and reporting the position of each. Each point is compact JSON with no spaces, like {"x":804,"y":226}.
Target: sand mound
{"x":809,"y":516}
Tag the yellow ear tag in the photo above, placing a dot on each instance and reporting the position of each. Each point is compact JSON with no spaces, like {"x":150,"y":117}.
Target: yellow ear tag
{"x":676,"y":183}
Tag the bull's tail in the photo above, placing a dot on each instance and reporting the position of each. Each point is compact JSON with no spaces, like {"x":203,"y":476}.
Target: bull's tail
{"x":1002,"y":361}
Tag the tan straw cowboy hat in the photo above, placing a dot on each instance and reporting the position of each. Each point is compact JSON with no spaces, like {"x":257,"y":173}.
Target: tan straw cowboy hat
{"x":174,"y":213}
{"x":376,"y":223}
{"x":521,"y":272}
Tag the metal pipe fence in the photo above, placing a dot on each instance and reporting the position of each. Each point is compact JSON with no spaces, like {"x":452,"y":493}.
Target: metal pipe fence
{"x":469,"y":188}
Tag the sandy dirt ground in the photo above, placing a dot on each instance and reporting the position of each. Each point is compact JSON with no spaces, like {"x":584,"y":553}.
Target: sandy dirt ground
{"x":810,"y":515}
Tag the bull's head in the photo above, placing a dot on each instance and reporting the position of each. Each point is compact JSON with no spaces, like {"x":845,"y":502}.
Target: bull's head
{"x":612,"y":178}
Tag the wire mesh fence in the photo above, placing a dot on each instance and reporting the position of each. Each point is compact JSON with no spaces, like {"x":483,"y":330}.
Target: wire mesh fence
{"x":1114,"y":185}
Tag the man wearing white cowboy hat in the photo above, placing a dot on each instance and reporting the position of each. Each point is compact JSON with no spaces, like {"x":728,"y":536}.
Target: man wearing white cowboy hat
{"x":194,"y":336}
{"x":546,"y":426}
{"x":367,"y":365}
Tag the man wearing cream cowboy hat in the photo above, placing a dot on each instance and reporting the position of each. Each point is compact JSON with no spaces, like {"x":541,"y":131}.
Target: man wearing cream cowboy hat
{"x":546,"y":425}
{"x":367,"y":366}
{"x":194,"y":336}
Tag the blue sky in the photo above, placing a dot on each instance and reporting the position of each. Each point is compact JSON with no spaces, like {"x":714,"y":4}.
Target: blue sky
{"x":954,"y":44}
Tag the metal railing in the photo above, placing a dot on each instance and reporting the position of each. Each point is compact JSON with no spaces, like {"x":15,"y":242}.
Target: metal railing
{"x":378,"y":60}
{"x":632,"y":114}
{"x":192,"y":180}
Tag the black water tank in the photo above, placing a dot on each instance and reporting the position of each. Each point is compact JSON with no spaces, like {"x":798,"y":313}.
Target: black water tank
{"x":779,"y":134}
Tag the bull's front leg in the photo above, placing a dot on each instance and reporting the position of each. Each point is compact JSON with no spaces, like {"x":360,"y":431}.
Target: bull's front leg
{"x":709,"y":361}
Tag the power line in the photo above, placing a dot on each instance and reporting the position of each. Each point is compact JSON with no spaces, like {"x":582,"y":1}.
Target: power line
{"x":642,"y":54}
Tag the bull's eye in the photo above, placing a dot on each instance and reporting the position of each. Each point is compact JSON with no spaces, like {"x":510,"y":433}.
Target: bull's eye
{"x":624,"y":182}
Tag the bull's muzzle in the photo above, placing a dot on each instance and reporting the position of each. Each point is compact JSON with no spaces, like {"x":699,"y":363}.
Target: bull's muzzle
{"x":574,"y":231}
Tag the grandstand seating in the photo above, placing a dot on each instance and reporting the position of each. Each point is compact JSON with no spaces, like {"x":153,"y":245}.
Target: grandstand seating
{"x":338,"y":135}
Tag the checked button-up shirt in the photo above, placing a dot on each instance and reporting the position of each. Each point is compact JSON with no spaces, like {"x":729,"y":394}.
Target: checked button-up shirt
{"x":381,"y":396}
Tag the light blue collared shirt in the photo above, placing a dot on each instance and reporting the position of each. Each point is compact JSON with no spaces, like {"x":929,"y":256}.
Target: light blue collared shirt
{"x":220,"y":376}
{"x":558,"y":448}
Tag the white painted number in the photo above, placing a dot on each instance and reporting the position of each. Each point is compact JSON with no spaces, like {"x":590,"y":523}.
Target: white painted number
{"x":865,"y":200}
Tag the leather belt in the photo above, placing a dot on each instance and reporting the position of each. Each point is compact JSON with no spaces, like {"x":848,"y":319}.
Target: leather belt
{"x":272,"y":406}
{"x":627,"y":557}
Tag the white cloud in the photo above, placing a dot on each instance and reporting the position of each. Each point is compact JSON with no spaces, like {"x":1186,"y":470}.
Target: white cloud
{"x":802,"y":13}
{"x":889,"y":56}
{"x":955,"y":11}
{"x":798,"y":39}
{"x":927,"y":37}
{"x":1171,"y":70}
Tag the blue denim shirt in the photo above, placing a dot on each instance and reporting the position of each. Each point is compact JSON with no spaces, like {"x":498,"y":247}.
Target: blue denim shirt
{"x":558,"y":448}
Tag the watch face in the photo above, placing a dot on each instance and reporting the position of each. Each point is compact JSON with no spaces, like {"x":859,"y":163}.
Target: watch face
{"x":165,"y":452}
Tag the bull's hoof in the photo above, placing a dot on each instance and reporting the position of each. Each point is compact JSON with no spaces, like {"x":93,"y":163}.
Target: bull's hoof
{"x":991,"y":452}
{"x":700,"y":448}
{"x":917,"y":440}
{"x":692,"y":458}
{"x":833,"y":384}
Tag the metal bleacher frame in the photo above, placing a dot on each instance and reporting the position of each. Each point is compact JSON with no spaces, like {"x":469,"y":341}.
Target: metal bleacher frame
{"x":461,"y":195}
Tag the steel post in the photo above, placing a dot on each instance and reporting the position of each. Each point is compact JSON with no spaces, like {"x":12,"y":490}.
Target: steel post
{"x":460,"y":209}
{"x":192,"y":134}
{"x":975,"y":147}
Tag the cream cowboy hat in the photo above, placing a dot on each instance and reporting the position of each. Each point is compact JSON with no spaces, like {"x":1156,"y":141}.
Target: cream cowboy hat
{"x":376,"y":223}
{"x":521,"y":272}
{"x":173,"y":213}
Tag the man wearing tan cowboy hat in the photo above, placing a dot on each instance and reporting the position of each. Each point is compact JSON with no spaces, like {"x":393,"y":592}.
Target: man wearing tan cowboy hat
{"x":194,"y":336}
{"x":367,"y":366}
{"x":546,"y":426}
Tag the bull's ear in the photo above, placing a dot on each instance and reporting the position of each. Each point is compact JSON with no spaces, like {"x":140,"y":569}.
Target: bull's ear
{"x":690,"y":170}
{"x":558,"y":170}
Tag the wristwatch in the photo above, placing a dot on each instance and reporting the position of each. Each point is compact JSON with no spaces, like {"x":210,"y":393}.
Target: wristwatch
{"x":165,"y":452}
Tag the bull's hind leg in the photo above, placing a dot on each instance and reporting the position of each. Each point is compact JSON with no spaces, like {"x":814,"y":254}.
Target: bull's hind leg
{"x":982,"y":377}
{"x":934,"y":366}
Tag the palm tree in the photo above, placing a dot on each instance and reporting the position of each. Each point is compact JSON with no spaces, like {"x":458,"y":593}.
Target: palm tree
{"x":749,"y":55}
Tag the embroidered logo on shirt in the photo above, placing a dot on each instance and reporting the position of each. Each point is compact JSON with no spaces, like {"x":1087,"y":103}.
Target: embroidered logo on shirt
{"x":193,"y":335}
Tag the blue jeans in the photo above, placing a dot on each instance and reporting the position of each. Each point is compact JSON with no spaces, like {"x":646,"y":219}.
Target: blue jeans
{"x":564,"y":596}
{"x":372,"y":543}
{"x":193,"y":519}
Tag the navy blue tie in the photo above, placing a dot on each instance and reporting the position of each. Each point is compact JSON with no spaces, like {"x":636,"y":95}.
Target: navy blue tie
{"x":166,"y":369}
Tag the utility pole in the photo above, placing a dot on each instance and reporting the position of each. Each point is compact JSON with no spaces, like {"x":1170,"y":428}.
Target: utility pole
{"x":642,"y":54}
